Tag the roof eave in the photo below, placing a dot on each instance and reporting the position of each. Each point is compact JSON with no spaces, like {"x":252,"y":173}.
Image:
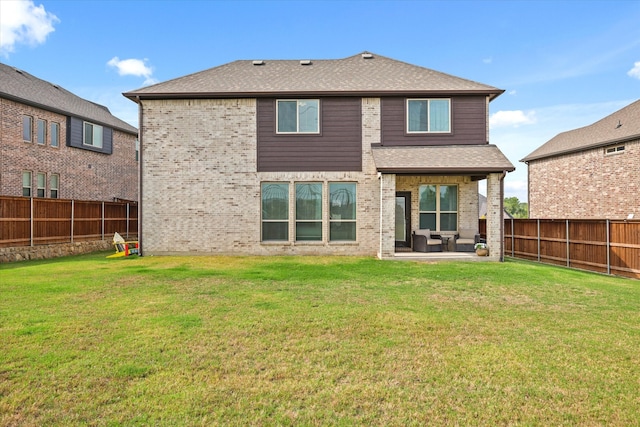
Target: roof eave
{"x":446,"y":171}
{"x":615,"y":141}
{"x":137,"y":96}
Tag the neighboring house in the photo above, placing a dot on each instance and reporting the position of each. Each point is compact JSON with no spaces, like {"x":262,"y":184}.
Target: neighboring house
{"x":55,"y":144}
{"x":343,"y":156}
{"x":590,"y":172}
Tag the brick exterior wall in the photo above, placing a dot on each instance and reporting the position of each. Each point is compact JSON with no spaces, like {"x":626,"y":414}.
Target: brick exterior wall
{"x":588,"y":184}
{"x":201,"y":189}
{"x":84,"y":175}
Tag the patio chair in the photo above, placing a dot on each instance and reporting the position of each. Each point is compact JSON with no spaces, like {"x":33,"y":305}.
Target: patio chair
{"x":466,"y":239}
{"x":424,"y":242}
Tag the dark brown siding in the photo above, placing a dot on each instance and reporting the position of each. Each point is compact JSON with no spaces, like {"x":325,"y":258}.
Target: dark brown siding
{"x":337,"y":148}
{"x":468,"y":121}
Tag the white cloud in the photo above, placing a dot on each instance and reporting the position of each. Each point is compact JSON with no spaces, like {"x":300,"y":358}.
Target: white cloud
{"x":635,"y":71}
{"x":22,"y":22}
{"x":133,"y":67}
{"x":513,"y":118}
{"x":513,"y":92}
{"x":487,"y":60}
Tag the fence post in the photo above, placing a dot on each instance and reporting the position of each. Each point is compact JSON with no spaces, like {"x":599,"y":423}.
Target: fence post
{"x":539,"y":249}
{"x":73,"y":209}
{"x":513,"y":236}
{"x":568,"y":242}
{"x":31,"y":225}
{"x":102,"y":221}
{"x":127,"y":220}
{"x":608,"y":249}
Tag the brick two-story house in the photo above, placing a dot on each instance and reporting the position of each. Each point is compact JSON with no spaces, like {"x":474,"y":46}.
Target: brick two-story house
{"x":589,"y":172}
{"x":343,"y":156}
{"x":58,"y":145}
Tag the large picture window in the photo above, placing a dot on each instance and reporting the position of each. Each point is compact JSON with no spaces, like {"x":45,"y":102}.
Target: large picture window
{"x":439,"y":207}
{"x":298,"y":116}
{"x":275,"y":211}
{"x":342,"y":211}
{"x":92,"y":135}
{"x":428,"y":115}
{"x":309,"y":211}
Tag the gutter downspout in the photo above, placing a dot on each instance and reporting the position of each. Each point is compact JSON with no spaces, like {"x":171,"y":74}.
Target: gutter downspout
{"x":140,"y":157}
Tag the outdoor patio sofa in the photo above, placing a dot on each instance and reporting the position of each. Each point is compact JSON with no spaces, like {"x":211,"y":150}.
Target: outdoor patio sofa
{"x":466,"y":239}
{"x":423,"y":241}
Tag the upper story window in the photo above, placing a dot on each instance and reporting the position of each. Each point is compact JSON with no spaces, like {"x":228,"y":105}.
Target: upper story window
{"x":27,"y":128}
{"x":298,"y":116}
{"x":41,"y":134}
{"x":428,"y":115}
{"x":92,"y":135}
{"x":55,"y":134}
{"x":616,"y":149}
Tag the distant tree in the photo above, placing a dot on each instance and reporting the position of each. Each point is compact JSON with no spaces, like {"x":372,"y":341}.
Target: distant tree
{"x":516,"y":208}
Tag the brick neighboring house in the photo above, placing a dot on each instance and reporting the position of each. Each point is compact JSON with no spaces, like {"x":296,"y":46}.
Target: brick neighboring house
{"x":307,"y":157}
{"x":58,"y":145}
{"x":590,"y":172}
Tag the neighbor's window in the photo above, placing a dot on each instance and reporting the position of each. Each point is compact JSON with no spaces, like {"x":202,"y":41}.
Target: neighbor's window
{"x":275,"y":211}
{"x":618,"y":149}
{"x":298,"y":116}
{"x":41,"y":135}
{"x":42,"y":184}
{"x":26,"y":184}
{"x":439,"y":207}
{"x":55,"y":134}
{"x":137,"y":150}
{"x":428,"y":115}
{"x":27,"y":128}
{"x":309,"y":211}
{"x":92,"y":135}
{"x":54,"y":186}
{"x":342,"y":211}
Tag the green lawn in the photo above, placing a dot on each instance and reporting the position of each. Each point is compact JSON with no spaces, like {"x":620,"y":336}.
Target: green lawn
{"x":185,"y":341}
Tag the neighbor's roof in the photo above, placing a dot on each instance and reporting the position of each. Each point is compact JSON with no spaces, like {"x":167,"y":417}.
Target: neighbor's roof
{"x":21,"y":86}
{"x":621,"y":126}
{"x":445,"y":159}
{"x":362,"y":74}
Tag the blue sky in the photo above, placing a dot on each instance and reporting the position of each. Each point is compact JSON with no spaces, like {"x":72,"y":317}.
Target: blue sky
{"x":562,"y":64}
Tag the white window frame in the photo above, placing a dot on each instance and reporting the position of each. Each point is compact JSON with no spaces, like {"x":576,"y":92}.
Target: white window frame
{"x":30,"y":186}
{"x":27,"y":138}
{"x":428,"y":131}
{"x":41,"y":131}
{"x":297,"y":132}
{"x":54,"y":190}
{"x":94,"y":143}
{"x":41,"y":184}
{"x":616,"y":149}
{"x":54,"y":133}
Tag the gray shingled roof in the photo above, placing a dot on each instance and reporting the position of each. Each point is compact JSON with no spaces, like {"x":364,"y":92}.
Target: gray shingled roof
{"x":601,"y":133}
{"x":448,"y":159}
{"x":21,"y":86}
{"x":361,"y":74}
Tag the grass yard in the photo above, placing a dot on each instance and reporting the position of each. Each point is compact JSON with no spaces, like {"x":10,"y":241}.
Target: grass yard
{"x":188,"y":341}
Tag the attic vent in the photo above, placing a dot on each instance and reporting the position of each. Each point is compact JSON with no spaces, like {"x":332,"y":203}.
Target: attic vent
{"x":259,"y":62}
{"x":367,"y":55}
{"x":305,"y":62}
{"x":18,"y":71}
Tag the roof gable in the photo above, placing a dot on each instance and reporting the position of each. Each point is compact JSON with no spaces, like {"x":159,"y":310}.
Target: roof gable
{"x":360,"y":74}
{"x":621,"y":126}
{"x":22,"y":87}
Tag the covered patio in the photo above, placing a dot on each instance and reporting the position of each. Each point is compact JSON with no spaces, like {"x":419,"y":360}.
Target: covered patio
{"x":436,"y":188}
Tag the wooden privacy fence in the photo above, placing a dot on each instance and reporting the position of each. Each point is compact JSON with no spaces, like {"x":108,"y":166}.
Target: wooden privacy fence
{"x":604,"y":246}
{"x":33,"y":221}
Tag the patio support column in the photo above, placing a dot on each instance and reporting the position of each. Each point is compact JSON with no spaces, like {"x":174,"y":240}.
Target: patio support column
{"x":387,"y":215}
{"x":495,"y":215}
